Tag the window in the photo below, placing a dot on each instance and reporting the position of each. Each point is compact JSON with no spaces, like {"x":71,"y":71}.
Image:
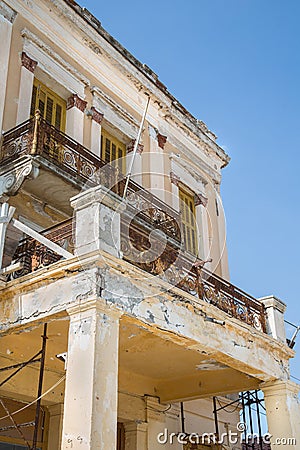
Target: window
{"x":112,"y":150}
{"x":52,"y":107}
{"x":188,"y":217}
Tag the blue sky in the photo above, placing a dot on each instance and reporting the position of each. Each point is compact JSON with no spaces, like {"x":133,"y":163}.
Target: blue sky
{"x":235,"y":65}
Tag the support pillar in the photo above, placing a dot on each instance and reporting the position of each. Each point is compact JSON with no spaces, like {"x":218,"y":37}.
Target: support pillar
{"x":156,"y":421}
{"x":275,"y":310}
{"x":26,"y":86}
{"x":75,"y":117}
{"x":55,"y":426}
{"x":97,"y":221}
{"x":137,"y":168}
{"x":96,"y":132}
{"x":135,"y":436}
{"x":7,"y":17}
{"x":90,"y":407}
{"x":283,"y":413}
{"x":156,"y":164}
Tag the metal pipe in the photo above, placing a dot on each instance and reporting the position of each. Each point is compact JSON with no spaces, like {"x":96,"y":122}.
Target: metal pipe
{"x":136,"y":144}
{"x":216,"y":417}
{"x":20,"y":368}
{"x":182,"y":418}
{"x":2,"y":369}
{"x":250,"y":418}
{"x":258,"y":420}
{"x":244,"y":419}
{"x":15,"y":425}
{"x":40,"y":387}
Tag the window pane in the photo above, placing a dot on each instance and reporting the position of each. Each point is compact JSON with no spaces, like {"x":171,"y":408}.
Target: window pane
{"x":49,"y":110}
{"x":58,"y":116}
{"x":33,"y":101}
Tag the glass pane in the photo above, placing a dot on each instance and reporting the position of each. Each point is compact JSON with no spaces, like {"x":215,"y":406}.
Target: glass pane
{"x":113,"y":152}
{"x":49,"y":110}
{"x":33,"y":101}
{"x":58,"y":114}
{"x":107,"y":150}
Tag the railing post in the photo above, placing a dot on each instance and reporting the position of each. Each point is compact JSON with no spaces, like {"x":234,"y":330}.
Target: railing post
{"x":37,"y":121}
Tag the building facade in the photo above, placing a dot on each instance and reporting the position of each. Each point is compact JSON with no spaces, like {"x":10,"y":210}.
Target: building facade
{"x":119,"y":326}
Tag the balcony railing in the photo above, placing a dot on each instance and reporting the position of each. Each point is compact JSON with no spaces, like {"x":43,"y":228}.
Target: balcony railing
{"x":172,"y":266}
{"x":142,"y":223}
{"x":79,"y":166}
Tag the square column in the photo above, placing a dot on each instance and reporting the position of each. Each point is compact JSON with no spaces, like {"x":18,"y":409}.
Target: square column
{"x":156,"y":421}
{"x":157,"y":162}
{"x":55,"y":426}
{"x":283,"y":413}
{"x":75,"y":117}
{"x":97,"y":221}
{"x":26,"y":87}
{"x":275,"y":310}
{"x":137,"y":168}
{"x":96,"y":131}
{"x":90,"y":407}
{"x":7,"y":17}
{"x":135,"y":436}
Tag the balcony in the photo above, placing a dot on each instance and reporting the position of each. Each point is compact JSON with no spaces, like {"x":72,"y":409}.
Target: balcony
{"x":150,"y":229}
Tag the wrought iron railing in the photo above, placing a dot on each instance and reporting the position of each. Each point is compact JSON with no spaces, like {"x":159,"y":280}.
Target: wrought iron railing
{"x":150,"y":229}
{"x":33,"y":255}
{"x":37,"y":138}
{"x":172,"y":265}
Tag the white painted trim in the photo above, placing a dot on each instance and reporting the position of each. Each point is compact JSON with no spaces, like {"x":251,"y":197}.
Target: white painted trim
{"x":42,"y":239}
{"x":53,"y":64}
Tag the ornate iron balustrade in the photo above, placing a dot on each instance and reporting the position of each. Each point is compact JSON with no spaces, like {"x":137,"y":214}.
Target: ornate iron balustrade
{"x":37,"y":138}
{"x":143,"y":215}
{"x":33,"y":255}
{"x":171,"y":265}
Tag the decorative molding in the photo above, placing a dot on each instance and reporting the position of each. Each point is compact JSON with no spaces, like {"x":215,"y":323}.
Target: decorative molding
{"x":161,"y":139}
{"x":97,"y":116}
{"x":31,"y":37}
{"x":175,"y":179}
{"x":99,"y":94}
{"x":28,"y":62}
{"x":131,"y":145}
{"x":182,"y":162}
{"x":77,"y":102}
{"x":7,"y":12}
{"x":11,"y":181}
{"x":200,"y":199}
{"x":101,"y":42}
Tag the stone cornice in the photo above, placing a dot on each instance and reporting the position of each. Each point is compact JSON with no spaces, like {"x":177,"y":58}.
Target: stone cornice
{"x":98,"y":93}
{"x":161,"y":139}
{"x":28,"y":35}
{"x":175,"y":179}
{"x":101,"y":42}
{"x":130,"y":147}
{"x":184,"y":163}
{"x":7,"y":12}
{"x":77,"y":102}
{"x":28,"y":63}
{"x":200,"y":199}
{"x":97,"y":116}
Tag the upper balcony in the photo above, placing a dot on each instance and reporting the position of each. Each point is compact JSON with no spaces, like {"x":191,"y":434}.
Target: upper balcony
{"x":151,"y":231}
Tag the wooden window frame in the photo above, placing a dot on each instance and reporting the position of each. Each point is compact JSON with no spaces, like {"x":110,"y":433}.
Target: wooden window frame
{"x":38,"y":88}
{"x":189,"y":220}
{"x":113,"y":151}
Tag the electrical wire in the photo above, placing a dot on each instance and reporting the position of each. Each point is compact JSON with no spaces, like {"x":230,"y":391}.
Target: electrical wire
{"x":292,"y":324}
{"x":224,"y":407}
{"x":34,"y":401}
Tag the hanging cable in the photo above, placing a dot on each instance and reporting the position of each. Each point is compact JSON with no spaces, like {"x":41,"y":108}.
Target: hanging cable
{"x":34,"y":401}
